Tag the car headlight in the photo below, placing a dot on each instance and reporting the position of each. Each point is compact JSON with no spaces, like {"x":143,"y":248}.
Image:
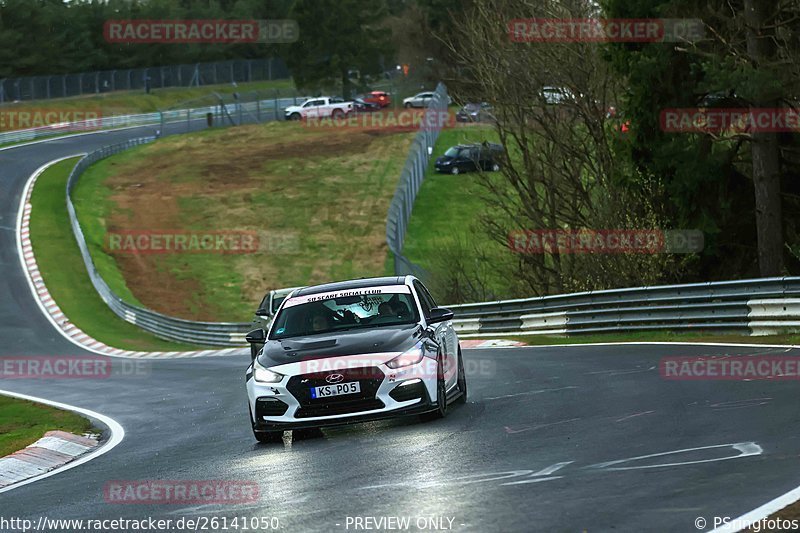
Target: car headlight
{"x":264,"y":375}
{"x":410,"y":357}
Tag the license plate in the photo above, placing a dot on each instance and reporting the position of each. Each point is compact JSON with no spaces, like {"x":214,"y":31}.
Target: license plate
{"x":335,"y":390}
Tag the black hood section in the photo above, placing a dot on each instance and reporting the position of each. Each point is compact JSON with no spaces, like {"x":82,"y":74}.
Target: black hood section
{"x":353,"y":342}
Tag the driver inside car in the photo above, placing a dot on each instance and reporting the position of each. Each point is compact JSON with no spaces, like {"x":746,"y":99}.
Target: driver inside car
{"x":320,"y":322}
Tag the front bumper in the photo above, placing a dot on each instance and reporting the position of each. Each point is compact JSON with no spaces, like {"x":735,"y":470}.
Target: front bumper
{"x":385,"y":393}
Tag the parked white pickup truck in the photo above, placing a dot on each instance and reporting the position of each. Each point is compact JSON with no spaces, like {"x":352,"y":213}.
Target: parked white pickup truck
{"x":322,"y":106}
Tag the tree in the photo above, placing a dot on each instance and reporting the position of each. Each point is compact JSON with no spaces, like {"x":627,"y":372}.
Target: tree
{"x":568,"y":167}
{"x":337,"y":36}
{"x":761,"y":52}
{"x":734,"y":186}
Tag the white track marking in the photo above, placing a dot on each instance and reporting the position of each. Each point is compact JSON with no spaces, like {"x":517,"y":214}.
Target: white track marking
{"x":541,"y":475}
{"x":534,"y":480}
{"x":745,"y":449}
{"x":512,"y":431}
{"x":634,"y":415}
{"x":117,"y":434}
{"x":760,"y":513}
{"x":529,"y":393}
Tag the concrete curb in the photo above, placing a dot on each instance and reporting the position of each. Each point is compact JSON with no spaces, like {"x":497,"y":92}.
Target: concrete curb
{"x":52,"y":451}
{"x":494,"y":343}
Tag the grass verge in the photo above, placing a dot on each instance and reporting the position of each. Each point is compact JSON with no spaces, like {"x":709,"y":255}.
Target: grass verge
{"x":316,"y":197}
{"x":65,"y":275}
{"x":22,"y":423}
{"x":445,"y":222}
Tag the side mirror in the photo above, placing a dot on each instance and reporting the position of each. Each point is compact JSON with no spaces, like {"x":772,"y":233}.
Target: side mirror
{"x":262,"y":312}
{"x":256,"y":339}
{"x":440,"y":314}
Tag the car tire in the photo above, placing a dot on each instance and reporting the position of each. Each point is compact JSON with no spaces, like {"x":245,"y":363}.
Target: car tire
{"x":455,"y":171}
{"x":294,"y":116}
{"x":462,"y":380}
{"x":408,"y":105}
{"x":265,"y":437}
{"x":337,"y":113}
{"x":441,"y":397}
{"x":268,"y":437}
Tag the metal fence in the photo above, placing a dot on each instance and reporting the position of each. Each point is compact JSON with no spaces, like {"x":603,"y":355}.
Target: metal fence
{"x":410,"y":181}
{"x":232,"y":109}
{"x":100,"y":82}
{"x":225,"y":110}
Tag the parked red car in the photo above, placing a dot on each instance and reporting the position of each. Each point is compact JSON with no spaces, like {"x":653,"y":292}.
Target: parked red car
{"x":378,"y":97}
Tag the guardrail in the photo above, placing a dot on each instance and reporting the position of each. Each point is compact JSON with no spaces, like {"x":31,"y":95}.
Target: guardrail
{"x":410,"y":181}
{"x":752,"y":307}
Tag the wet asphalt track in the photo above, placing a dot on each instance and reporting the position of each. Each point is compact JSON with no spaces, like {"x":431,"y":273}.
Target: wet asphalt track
{"x":525,"y":454}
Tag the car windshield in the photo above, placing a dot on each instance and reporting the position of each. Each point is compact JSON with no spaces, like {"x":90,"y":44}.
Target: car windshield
{"x":471,"y":107}
{"x":276,"y":303}
{"x":331,"y":312}
{"x":452,"y":152}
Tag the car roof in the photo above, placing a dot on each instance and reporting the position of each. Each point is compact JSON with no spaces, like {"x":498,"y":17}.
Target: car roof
{"x":351,"y":284}
{"x":378,"y":92}
{"x":283,"y":292}
{"x":479,"y":145}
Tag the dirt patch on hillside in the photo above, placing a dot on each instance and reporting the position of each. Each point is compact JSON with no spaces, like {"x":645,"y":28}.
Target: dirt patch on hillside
{"x":204,"y":184}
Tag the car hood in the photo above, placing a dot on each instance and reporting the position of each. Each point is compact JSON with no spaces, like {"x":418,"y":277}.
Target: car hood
{"x":444,"y":159}
{"x":292,"y":108}
{"x":388,"y":340}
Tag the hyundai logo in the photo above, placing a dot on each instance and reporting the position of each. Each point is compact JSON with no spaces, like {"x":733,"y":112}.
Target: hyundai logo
{"x":334,"y":378}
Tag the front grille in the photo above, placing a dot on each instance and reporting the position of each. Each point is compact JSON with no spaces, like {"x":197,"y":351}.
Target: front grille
{"x":339,"y":408}
{"x":270,"y":407}
{"x":409,"y":392}
{"x":369,"y":379}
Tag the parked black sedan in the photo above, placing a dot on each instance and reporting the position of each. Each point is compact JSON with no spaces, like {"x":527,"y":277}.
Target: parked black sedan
{"x":469,"y":158}
{"x":362,"y":106}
